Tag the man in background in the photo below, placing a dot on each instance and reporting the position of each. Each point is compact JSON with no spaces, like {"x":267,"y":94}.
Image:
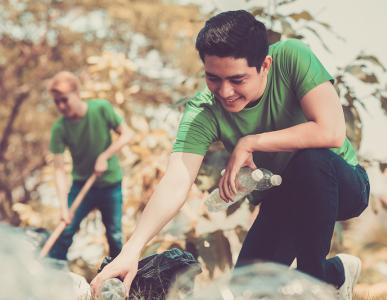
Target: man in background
{"x":85,"y":129}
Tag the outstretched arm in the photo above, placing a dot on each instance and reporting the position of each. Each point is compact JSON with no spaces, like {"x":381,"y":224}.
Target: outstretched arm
{"x":163,"y":205}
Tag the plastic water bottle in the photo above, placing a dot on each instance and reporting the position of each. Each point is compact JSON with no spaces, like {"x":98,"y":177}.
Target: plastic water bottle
{"x":112,"y":289}
{"x":248,"y":180}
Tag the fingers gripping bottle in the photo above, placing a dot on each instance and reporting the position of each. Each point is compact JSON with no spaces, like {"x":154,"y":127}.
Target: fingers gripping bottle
{"x":248,"y":180}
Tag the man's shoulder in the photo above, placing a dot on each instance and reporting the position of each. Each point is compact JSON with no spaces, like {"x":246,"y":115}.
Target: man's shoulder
{"x":98,"y":102}
{"x":201,"y":100}
{"x":99,"y":106}
{"x":288,"y":46}
{"x":58,"y":123}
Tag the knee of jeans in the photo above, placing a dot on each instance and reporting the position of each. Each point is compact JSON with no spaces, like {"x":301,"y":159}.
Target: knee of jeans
{"x":69,"y":232}
{"x":308,"y":160}
{"x":358,"y":206}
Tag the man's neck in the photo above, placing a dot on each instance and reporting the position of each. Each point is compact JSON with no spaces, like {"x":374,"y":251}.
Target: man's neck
{"x":81,"y":110}
{"x":253,"y":103}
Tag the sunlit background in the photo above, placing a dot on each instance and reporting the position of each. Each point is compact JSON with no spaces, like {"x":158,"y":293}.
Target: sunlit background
{"x":140,"y":55}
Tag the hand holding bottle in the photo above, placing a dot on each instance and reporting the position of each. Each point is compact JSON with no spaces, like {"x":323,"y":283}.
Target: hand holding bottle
{"x":247,"y":180}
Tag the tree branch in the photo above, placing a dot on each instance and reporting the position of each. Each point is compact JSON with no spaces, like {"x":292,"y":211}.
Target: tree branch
{"x":21,"y":96}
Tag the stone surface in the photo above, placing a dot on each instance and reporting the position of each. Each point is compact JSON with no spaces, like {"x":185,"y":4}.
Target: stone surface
{"x":267,"y":281}
{"x":23,"y":276}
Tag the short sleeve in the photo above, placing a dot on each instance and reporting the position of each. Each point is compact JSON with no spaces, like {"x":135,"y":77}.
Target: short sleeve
{"x":303,"y":68}
{"x":57,"y":144}
{"x":113,"y":119}
{"x":198,"y":127}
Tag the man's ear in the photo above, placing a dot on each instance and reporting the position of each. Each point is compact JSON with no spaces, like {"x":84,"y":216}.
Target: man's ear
{"x":266,"y":64}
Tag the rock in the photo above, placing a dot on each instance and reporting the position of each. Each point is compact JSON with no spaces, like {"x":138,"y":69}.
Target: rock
{"x":81,"y":287}
{"x":269,"y":281}
{"x":23,"y":276}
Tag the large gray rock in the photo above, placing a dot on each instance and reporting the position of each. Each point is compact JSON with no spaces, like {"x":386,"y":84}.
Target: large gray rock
{"x":264,"y":281}
{"x":23,"y":276}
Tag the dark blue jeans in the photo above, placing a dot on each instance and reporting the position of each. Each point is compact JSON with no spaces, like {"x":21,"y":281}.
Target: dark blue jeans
{"x":109,"y":201}
{"x":297,"y":218}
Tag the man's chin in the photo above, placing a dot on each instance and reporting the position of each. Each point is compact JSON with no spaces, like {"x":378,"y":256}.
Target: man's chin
{"x":68,"y":116}
{"x":233,"y":108}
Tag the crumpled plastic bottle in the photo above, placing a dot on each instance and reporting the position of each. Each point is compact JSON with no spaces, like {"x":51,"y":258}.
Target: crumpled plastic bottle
{"x":248,"y":180}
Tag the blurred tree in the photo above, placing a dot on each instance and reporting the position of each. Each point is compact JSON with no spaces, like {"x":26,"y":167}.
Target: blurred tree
{"x":37,"y":39}
{"x":105,"y":43}
{"x":301,"y":24}
{"x":32,"y":47}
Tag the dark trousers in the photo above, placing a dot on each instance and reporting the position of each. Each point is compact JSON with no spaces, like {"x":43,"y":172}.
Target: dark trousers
{"x":109,"y":201}
{"x":297,"y":218}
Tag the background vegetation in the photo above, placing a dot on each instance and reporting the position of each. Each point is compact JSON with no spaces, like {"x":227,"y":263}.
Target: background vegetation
{"x":139,"y":54}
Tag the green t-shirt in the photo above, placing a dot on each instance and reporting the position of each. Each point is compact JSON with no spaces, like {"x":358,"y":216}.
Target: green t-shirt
{"x":86,"y":138}
{"x":295,"y":70}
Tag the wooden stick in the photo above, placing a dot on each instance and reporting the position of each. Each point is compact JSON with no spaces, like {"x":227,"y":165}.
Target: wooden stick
{"x":62,"y":225}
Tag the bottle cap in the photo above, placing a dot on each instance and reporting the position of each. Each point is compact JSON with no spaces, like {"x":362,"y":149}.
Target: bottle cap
{"x":276,"y":180}
{"x":257,"y":175}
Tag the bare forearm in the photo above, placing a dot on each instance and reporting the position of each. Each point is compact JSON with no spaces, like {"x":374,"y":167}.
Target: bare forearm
{"x":61,"y":187}
{"x":116,"y":146}
{"x":167,"y":199}
{"x":162,"y":207}
{"x":305,"y":135}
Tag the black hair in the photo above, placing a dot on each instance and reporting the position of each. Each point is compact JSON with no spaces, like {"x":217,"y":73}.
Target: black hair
{"x":235,"y":34}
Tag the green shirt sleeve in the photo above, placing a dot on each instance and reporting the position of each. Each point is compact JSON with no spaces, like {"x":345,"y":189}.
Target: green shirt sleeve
{"x":57,"y":144}
{"x":303,"y":68}
{"x":198,"y":127}
{"x":113,"y":119}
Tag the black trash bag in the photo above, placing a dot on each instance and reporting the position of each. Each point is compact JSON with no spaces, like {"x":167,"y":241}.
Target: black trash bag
{"x":157,"y":272}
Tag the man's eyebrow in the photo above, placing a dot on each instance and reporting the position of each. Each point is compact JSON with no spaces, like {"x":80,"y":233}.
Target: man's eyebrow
{"x":236,"y":76}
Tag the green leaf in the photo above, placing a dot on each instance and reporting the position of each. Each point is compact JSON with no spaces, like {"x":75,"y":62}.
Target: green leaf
{"x":304,"y":15}
{"x":287,"y":29}
{"x":353,"y":123}
{"x":383,"y":101}
{"x":358,"y":72}
{"x":372,"y":59}
{"x":258,"y":11}
{"x":215,"y":250}
{"x":273,"y":36}
{"x":285,"y":2}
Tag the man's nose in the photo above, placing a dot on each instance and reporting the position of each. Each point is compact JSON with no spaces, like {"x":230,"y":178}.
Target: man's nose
{"x":61,"y":106}
{"x":225,"y":90}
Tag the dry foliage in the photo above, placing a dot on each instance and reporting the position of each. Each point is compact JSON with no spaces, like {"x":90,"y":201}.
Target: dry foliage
{"x":150,"y":105}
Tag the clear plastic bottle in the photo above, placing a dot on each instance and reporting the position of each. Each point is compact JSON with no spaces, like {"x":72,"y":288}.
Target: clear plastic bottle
{"x":248,"y":180}
{"x":112,"y":289}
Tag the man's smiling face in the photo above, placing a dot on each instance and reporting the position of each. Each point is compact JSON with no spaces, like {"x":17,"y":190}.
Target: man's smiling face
{"x":235,"y":84}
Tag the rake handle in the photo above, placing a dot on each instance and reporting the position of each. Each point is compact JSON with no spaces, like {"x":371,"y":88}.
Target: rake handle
{"x":73,"y":208}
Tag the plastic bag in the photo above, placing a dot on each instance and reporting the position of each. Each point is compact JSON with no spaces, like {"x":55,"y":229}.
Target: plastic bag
{"x":157,"y":272}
